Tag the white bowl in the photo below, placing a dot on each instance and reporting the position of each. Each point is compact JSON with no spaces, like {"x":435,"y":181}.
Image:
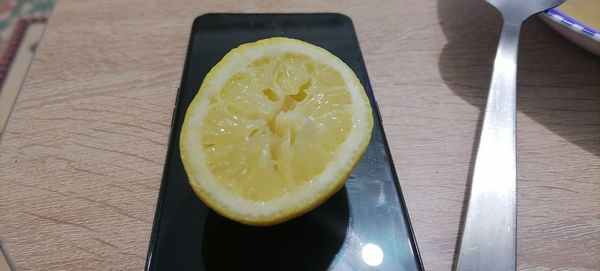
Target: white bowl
{"x":579,"y":33}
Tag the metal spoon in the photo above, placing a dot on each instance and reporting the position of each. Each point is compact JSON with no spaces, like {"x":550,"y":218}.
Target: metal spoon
{"x":489,"y":238}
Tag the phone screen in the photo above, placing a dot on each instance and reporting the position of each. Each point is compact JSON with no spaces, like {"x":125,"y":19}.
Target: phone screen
{"x":364,"y":226}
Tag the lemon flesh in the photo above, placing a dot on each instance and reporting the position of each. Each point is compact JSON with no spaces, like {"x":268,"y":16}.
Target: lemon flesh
{"x":275,"y":129}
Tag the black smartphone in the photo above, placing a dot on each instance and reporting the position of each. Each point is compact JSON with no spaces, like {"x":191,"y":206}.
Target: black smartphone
{"x":364,"y":226}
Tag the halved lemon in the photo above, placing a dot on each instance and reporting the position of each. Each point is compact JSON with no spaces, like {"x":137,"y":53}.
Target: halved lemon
{"x":275,"y":129}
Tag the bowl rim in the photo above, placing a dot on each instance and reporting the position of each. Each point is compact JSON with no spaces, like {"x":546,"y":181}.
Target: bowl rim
{"x":573,"y":24}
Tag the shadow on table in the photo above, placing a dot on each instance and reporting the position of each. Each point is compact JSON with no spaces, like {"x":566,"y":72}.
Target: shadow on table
{"x":558,"y":83}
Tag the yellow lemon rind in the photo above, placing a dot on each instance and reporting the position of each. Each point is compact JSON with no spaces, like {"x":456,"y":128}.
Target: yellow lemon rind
{"x":311,"y":195}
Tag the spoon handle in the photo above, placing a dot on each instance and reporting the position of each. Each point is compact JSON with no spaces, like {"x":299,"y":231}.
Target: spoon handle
{"x":489,"y":238}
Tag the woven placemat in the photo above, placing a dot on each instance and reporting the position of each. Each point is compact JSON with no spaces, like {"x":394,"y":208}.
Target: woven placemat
{"x":22,"y":23}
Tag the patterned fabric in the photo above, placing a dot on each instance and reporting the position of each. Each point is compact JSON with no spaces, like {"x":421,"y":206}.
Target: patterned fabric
{"x":22,"y":23}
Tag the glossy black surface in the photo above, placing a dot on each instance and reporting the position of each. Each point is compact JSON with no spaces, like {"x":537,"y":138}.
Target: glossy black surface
{"x":364,"y":224}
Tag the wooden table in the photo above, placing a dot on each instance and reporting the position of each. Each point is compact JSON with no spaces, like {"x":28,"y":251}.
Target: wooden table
{"x":82,"y":156}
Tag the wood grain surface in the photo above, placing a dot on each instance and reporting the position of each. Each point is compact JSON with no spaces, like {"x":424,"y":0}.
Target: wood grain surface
{"x":82,"y":156}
